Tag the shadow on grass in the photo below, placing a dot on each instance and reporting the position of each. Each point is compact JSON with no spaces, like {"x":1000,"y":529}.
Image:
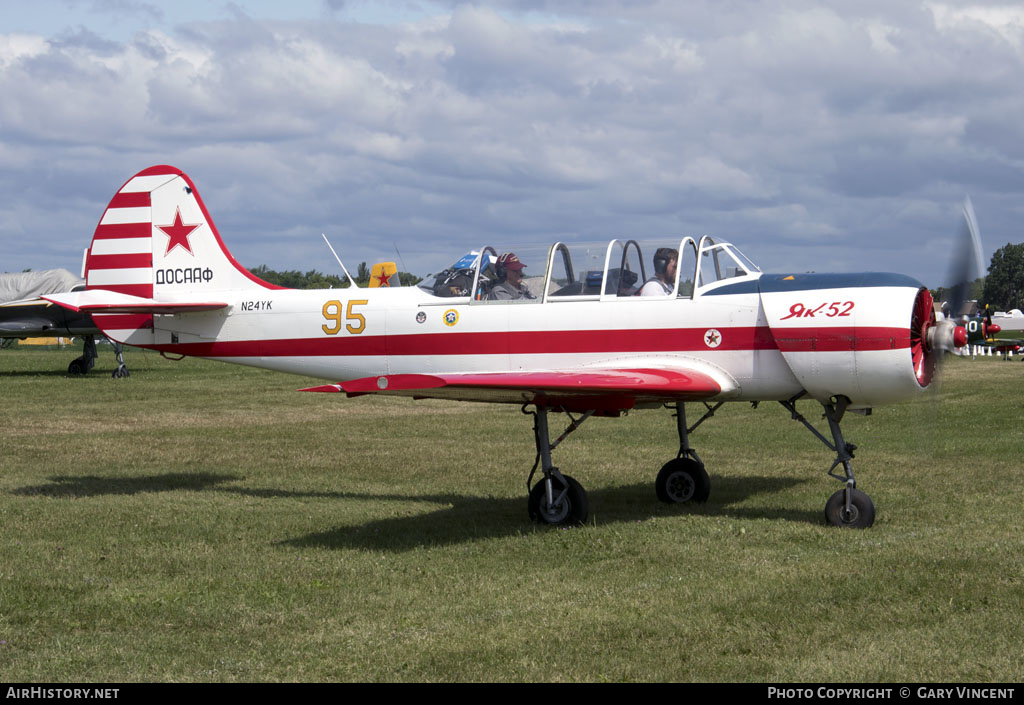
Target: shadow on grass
{"x":461,"y":518}
{"x":471,"y":518}
{"x":47,"y":373}
{"x":95,"y":486}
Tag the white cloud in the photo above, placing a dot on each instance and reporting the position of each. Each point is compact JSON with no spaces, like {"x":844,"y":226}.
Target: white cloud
{"x":791,"y":123}
{"x":16,"y":47}
{"x":1007,"y":21}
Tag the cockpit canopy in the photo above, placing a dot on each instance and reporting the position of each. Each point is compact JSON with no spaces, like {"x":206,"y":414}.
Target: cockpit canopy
{"x":622,"y":268}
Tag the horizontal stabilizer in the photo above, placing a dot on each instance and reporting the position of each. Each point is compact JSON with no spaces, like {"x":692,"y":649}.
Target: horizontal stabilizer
{"x":103,"y":301}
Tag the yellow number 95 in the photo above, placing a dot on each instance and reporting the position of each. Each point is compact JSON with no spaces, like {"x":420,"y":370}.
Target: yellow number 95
{"x":332,"y":314}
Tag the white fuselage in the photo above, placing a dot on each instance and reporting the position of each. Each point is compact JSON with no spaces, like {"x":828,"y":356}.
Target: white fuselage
{"x":343,"y":334}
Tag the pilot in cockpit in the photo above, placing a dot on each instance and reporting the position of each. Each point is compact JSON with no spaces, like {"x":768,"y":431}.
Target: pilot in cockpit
{"x":663,"y":282}
{"x":510,"y":280}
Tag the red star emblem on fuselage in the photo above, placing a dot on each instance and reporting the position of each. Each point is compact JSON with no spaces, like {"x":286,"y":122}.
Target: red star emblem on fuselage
{"x":177,"y":234}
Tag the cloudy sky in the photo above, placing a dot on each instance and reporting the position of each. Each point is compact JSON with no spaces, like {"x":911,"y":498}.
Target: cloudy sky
{"x":816,"y":136}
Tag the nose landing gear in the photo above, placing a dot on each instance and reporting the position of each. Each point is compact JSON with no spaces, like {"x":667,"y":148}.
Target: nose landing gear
{"x":849,"y":507}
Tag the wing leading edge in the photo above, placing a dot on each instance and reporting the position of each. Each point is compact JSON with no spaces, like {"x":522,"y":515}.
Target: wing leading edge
{"x":608,"y":390}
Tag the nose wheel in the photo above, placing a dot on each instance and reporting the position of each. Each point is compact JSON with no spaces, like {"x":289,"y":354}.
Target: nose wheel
{"x":859,"y":513}
{"x":849,"y":507}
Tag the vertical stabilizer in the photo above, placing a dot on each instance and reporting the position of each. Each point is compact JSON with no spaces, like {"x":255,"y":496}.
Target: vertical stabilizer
{"x":156,"y":240}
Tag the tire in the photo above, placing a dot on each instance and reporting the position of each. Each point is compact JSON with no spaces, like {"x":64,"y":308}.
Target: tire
{"x":683,"y":480}
{"x":77,"y":367}
{"x":862,"y":510}
{"x":570,"y":509}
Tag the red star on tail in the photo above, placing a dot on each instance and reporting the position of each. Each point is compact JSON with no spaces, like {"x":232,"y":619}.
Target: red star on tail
{"x":178,"y":234}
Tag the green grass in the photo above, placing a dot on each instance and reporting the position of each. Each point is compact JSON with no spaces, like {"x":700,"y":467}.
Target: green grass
{"x":206,"y":522}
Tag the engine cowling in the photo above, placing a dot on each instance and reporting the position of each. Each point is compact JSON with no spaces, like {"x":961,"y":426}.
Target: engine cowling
{"x":870,"y":337}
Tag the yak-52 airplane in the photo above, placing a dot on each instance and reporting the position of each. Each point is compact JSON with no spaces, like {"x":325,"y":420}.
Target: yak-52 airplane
{"x":159,"y":276}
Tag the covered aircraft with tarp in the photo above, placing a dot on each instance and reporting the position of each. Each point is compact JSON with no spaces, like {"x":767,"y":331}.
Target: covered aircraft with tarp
{"x":23,"y":314}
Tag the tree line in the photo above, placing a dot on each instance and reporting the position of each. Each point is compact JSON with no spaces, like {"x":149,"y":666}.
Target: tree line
{"x":1004,"y":285}
{"x":1003,"y":288}
{"x":294,"y":279}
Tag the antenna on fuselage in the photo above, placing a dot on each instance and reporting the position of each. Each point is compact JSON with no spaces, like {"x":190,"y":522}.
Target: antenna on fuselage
{"x":339,"y":261}
{"x":399,"y":256}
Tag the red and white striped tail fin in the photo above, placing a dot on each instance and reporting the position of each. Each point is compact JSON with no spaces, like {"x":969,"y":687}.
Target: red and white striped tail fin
{"x":156,"y":241}
{"x":156,"y":238}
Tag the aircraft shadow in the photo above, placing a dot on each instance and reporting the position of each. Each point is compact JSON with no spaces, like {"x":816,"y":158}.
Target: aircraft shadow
{"x":47,"y":373}
{"x":95,"y":486}
{"x":471,"y":518}
{"x":461,"y":518}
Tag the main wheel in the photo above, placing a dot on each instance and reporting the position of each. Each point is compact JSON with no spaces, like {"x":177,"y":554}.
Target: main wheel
{"x":683,"y":480}
{"x":77,"y":367}
{"x":569,"y":505}
{"x":860,"y":516}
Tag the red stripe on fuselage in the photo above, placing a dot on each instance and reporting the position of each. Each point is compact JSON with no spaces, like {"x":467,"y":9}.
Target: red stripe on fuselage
{"x":514,"y":343}
{"x":540,"y":342}
{"x":839,"y":339}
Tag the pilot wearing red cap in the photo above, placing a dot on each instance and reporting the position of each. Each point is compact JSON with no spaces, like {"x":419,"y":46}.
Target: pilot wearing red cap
{"x":510,"y":280}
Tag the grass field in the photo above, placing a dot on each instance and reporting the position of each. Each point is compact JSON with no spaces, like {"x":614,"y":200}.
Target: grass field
{"x":205,"y":522}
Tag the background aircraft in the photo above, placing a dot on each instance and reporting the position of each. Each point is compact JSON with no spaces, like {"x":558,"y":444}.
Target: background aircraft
{"x":24,"y":315}
{"x":983,"y":333}
{"x":159,"y":276}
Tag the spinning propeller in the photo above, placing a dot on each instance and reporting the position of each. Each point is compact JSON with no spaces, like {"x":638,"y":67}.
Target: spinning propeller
{"x":931,"y":338}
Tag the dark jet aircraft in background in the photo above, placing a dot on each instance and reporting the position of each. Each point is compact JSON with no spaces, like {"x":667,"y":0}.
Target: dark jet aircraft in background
{"x":24,"y":315}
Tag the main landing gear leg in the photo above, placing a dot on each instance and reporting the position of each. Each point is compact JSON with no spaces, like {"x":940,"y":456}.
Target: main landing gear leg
{"x":849,"y":507}
{"x":81,"y":365}
{"x":684,"y":479}
{"x":557,"y":499}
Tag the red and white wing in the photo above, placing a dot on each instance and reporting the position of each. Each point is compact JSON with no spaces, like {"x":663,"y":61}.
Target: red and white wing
{"x":583,"y":389}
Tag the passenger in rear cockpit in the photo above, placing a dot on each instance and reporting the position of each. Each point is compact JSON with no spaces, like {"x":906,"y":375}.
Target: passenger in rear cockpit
{"x":664,"y":280}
